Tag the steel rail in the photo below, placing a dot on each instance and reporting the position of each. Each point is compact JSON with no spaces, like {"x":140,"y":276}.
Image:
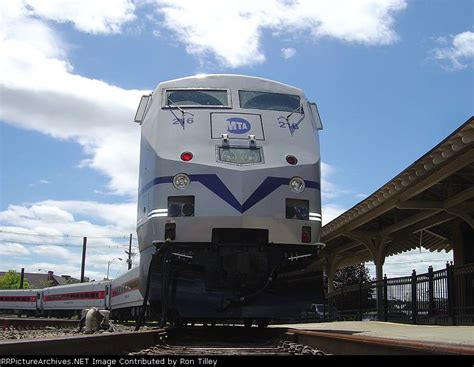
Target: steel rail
{"x":100,"y":344}
{"x":343,"y":344}
{"x":35,"y":323}
{"x":329,"y":342}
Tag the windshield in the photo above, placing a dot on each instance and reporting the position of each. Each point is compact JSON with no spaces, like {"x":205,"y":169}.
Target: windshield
{"x":269,"y":101}
{"x":199,"y":97}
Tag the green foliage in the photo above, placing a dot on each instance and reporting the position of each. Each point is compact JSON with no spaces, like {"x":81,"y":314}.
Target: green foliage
{"x":47,"y":283}
{"x":348,"y":276}
{"x":351,"y":275}
{"x":11,"y":280}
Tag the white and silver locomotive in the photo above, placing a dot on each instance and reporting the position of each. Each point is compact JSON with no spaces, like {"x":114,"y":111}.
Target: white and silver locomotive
{"x":229,"y":204}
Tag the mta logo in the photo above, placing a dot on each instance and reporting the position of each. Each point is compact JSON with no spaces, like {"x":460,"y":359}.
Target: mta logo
{"x":237,"y":125}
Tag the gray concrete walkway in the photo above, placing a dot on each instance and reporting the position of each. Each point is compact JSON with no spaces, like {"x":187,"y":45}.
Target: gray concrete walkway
{"x":457,"y":335}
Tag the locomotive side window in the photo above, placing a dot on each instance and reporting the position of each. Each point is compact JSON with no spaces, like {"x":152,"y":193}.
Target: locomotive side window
{"x":197,"y":98}
{"x":269,"y":101}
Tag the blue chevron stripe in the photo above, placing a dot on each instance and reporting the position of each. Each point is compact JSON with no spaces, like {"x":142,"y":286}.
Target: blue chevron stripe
{"x":215,"y":184}
{"x":156,"y":181}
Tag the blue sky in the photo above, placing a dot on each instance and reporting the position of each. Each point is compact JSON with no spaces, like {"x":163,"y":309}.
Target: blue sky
{"x":391,"y":79}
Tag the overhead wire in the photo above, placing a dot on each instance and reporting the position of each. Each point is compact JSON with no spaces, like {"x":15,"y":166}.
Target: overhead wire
{"x":64,"y":235}
{"x":89,"y":245}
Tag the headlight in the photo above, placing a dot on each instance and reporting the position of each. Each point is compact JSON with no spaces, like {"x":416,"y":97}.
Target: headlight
{"x":181,"y":206}
{"x":297,"y":184}
{"x":181,"y":181}
{"x":297,"y":209}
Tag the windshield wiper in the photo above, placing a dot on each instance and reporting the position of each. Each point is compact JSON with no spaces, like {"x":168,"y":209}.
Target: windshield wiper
{"x":183,"y":112}
{"x":300,"y":108}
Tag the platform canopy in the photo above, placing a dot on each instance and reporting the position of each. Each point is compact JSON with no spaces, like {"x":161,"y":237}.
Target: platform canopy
{"x":429,"y":204}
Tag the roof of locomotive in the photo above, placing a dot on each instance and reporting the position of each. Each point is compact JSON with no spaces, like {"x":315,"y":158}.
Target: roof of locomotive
{"x":229,"y":81}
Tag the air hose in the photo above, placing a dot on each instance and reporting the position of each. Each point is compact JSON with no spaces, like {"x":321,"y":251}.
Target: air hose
{"x":237,"y":301}
{"x":165,"y":266}
{"x":154,"y":261}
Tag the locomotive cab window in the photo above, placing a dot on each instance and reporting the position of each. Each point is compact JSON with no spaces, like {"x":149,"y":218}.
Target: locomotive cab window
{"x":197,"y":98}
{"x":269,"y":101}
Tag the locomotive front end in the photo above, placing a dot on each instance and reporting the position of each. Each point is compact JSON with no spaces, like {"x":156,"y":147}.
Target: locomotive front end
{"x":229,"y":209}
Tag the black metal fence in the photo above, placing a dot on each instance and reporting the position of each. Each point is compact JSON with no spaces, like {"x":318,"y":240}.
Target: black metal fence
{"x":443,"y":297}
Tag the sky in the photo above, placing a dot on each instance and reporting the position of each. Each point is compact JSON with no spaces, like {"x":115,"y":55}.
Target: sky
{"x":391,"y":78}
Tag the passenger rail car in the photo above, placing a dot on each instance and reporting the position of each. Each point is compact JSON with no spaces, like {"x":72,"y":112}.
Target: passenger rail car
{"x":25,"y":301}
{"x":229,"y":204}
{"x":75,"y":297}
{"x":121,"y":296}
{"x":125,"y":297}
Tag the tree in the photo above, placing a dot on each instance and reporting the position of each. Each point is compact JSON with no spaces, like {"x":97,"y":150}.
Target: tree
{"x":354,"y":297}
{"x":11,"y":280}
{"x":350,"y":275}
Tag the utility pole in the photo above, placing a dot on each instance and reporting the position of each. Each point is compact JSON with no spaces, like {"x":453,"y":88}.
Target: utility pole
{"x":22,"y":277}
{"x":83,"y":265}
{"x":130,"y":253}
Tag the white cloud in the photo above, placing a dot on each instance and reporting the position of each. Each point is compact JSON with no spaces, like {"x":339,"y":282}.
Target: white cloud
{"x":90,"y":16}
{"x":41,"y":213}
{"x":57,"y":218}
{"x":403,"y":264}
{"x":48,"y":236}
{"x":232,"y":30}
{"x":329,"y":190}
{"x":13,"y":249}
{"x":97,"y":115}
{"x":459,"y":54}
{"x":122,"y":215}
{"x":331,"y":211}
{"x":288,"y":53}
{"x":55,"y":252}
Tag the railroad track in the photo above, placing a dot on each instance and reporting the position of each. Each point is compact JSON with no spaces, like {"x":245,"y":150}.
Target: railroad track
{"x":35,"y":323}
{"x":229,"y":341}
{"x":225,"y":340}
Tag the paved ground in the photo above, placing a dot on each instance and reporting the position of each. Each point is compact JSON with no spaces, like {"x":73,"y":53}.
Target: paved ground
{"x":462,"y":335}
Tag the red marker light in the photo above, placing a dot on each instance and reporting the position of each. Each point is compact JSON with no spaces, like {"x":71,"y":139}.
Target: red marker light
{"x":306,"y":234}
{"x":186,"y":156}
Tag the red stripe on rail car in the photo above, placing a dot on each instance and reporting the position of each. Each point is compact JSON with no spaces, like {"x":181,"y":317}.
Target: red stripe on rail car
{"x":17,"y":298}
{"x":74,"y":296}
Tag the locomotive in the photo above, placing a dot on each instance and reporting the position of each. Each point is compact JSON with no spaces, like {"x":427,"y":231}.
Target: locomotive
{"x":229,"y":200}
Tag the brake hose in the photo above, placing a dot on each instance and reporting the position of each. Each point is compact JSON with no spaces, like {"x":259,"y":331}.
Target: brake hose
{"x":154,"y":259}
{"x":236,"y":301}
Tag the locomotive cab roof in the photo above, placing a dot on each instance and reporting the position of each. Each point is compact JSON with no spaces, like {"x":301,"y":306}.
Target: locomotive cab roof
{"x":229,"y":81}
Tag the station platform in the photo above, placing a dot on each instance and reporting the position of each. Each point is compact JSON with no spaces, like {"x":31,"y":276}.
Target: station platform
{"x":452,"y":335}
